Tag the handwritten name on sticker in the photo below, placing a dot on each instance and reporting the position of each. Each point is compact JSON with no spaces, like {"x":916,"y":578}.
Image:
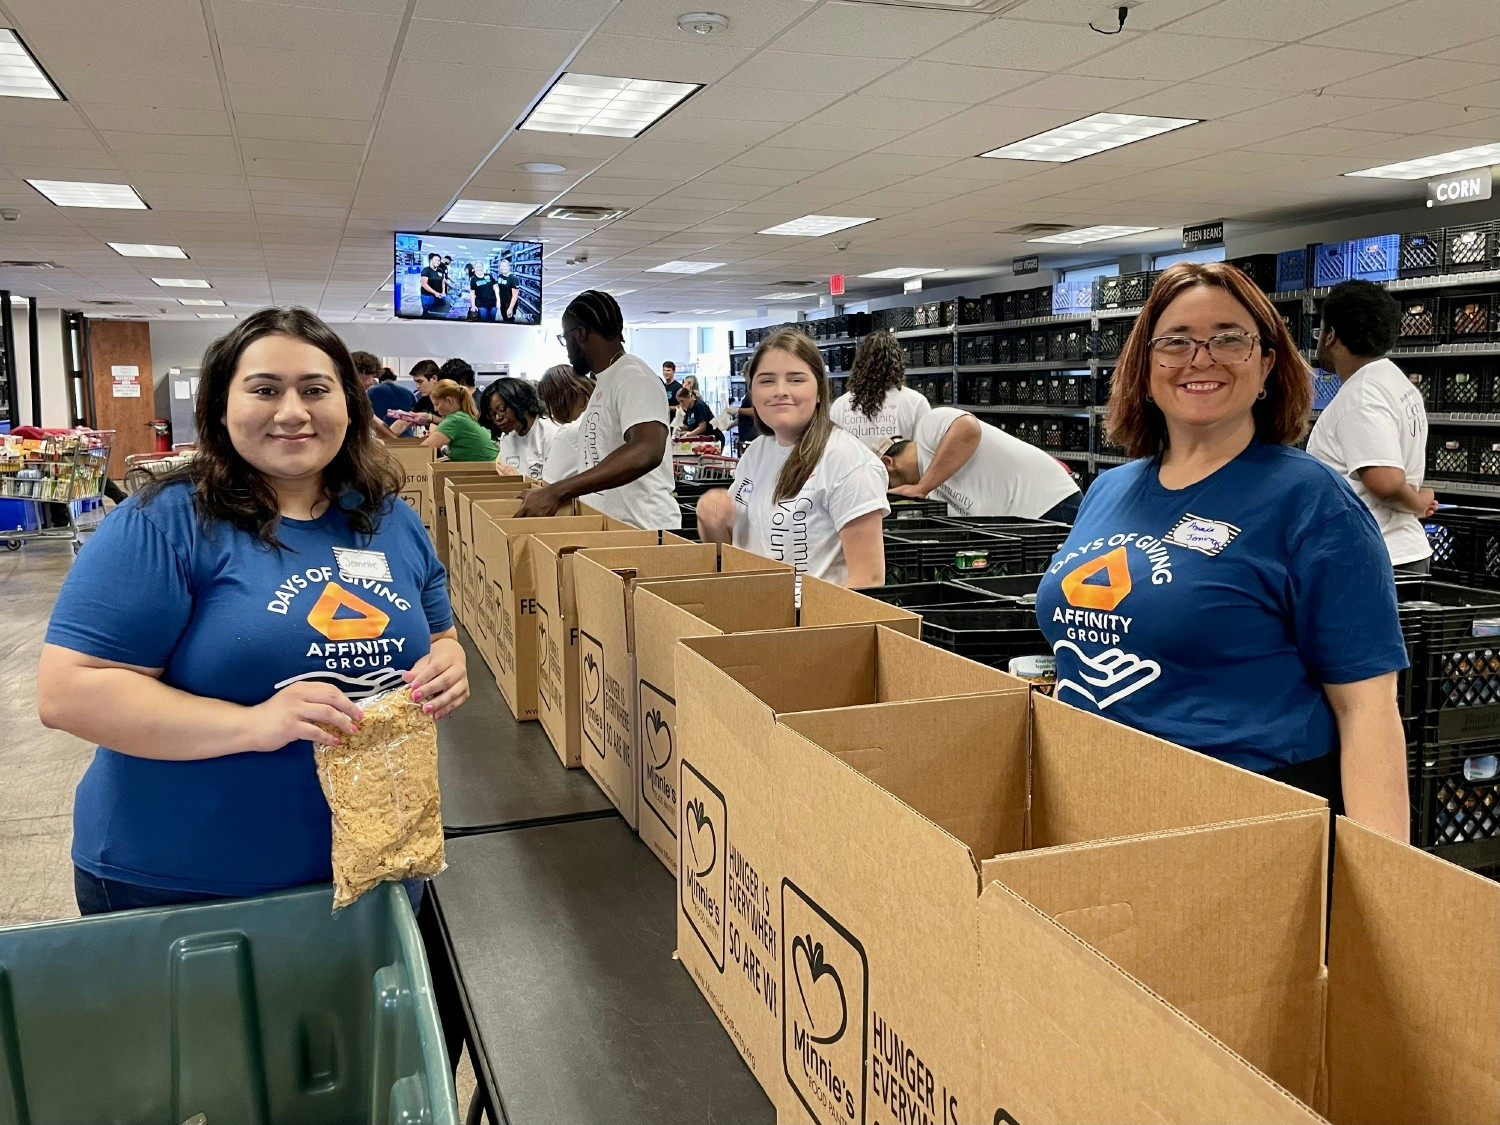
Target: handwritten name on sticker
{"x":1208,"y":537}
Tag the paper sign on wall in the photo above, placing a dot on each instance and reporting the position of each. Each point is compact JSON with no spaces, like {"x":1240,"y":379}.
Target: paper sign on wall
{"x":125,"y":381}
{"x":180,"y":389}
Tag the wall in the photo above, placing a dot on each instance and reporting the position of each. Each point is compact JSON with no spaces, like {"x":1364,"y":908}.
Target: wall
{"x":656,"y":345}
{"x":56,"y":413}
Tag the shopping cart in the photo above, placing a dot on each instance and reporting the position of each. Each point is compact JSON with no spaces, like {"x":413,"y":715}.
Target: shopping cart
{"x":707,"y":468}
{"x":142,"y":468}
{"x":65,"y":471}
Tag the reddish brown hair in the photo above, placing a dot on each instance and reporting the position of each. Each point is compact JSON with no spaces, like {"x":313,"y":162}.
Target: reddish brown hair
{"x":1280,"y":418}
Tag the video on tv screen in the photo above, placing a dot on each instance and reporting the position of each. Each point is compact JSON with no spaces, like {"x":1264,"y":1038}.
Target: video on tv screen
{"x":453,"y":277}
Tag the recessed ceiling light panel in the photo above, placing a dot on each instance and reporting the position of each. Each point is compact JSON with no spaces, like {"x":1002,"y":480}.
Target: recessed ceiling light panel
{"x":788,"y":296}
{"x":199,"y":301}
{"x":1086,"y":136}
{"x":147,"y":250}
{"x":21,"y":76}
{"x":685,"y":267}
{"x":540,"y":167}
{"x":900,"y":273}
{"x":81,"y":193}
{"x":815,"y":226}
{"x":216,"y":316}
{"x":484,"y":211}
{"x":1459,"y":160}
{"x":1091,"y":234}
{"x":182,"y":283}
{"x":599,"y":106}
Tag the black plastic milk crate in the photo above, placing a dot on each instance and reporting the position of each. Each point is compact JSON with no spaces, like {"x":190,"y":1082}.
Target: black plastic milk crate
{"x":971,"y":310}
{"x":920,"y":595}
{"x":989,"y":635}
{"x":1021,"y":587}
{"x":1466,"y":386}
{"x":1042,"y":538}
{"x":906,"y":508}
{"x":689,"y":522}
{"x":1451,"y":457}
{"x":1469,"y":248}
{"x":968,"y":351}
{"x":1465,"y":545}
{"x":1450,"y":610}
{"x":1471,"y":318}
{"x":1076,"y":435}
{"x":1456,"y":799}
{"x":1419,"y":319}
{"x":1421,"y":254}
{"x":927,"y":556}
{"x":1259,"y":268}
{"x":1109,"y":341}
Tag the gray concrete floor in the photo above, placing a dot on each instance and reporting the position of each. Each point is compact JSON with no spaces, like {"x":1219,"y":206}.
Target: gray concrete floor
{"x":40,"y":768}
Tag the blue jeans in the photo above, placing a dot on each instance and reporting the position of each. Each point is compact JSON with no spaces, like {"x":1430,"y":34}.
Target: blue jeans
{"x":105,"y":896}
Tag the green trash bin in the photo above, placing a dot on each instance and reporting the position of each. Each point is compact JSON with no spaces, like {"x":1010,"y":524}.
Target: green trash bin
{"x":263,"y":1011}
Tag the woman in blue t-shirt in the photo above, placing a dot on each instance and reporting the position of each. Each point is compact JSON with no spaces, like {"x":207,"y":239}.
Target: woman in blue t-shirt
{"x":218,"y":619}
{"x":1225,"y":591}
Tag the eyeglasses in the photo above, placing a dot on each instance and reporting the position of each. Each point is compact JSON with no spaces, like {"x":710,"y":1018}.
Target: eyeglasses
{"x":562,"y":337}
{"x":1222,"y":347}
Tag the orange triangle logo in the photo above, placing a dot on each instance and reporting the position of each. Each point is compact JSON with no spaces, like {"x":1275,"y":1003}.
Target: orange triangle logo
{"x":1094,"y":596}
{"x":370,"y":623}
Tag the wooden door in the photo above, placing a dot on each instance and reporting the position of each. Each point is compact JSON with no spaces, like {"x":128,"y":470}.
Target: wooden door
{"x":124,"y":391}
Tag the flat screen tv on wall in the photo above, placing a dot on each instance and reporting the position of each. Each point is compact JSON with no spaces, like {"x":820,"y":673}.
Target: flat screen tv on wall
{"x":464,"y":278}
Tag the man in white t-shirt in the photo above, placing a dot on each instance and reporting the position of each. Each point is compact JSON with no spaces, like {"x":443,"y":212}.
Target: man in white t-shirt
{"x":624,"y":469}
{"x":978,"y":470}
{"x":1374,"y":433}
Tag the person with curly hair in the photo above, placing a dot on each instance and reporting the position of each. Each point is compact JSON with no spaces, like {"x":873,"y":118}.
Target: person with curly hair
{"x":510,"y":410}
{"x":878,"y":403}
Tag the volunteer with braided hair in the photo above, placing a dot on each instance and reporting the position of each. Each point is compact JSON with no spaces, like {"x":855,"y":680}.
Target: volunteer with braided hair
{"x":878,"y":403}
{"x":808,"y":493}
{"x":624,"y":469}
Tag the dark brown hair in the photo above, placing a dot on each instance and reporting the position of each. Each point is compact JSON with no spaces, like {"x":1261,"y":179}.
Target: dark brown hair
{"x":1280,"y":418}
{"x":367,"y":363}
{"x":809,"y":448}
{"x":879,"y":368}
{"x":564,"y":394}
{"x":361,"y":478}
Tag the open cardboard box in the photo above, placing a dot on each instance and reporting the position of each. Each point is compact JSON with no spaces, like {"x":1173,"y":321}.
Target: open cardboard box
{"x":435,"y":496}
{"x":415,"y":460}
{"x":839,"y":790}
{"x":663,"y":612}
{"x":1173,"y":978}
{"x":460,"y":491}
{"x":604,"y":582}
{"x":505,"y":621}
{"x":559,"y":694}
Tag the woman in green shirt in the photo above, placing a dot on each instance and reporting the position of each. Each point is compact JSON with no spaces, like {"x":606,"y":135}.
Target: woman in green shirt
{"x":459,"y":429}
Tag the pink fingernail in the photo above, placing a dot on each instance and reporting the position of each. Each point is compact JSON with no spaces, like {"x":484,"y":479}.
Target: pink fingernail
{"x":427,"y":709}
{"x":417,"y":694}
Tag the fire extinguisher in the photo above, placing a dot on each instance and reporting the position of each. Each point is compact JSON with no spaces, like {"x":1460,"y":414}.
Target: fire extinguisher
{"x":163,"y":430}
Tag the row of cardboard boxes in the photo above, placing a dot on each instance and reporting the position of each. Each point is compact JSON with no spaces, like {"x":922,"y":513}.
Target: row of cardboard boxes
{"x":912,"y":891}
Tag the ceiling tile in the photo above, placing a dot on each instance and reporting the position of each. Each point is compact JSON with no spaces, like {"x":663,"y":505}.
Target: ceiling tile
{"x":1312,"y":142}
{"x":784,"y":160}
{"x":870,"y":112}
{"x":274,"y":100}
{"x":1280,"y":21}
{"x":921,"y":80}
{"x":1417,"y":78}
{"x":304,"y":70}
{"x":859,"y":29}
{"x":736,"y":104}
{"x":573,"y":15}
{"x":1022,"y":45}
{"x":847,"y":137}
{"x":1418,"y":27}
{"x":322,"y":130}
{"x":1308,"y":110}
{"x":752,"y":23}
{"x":445,"y":44}
{"x":1484,"y":51}
{"x":1080,"y":12}
{"x":145,"y":119}
{"x":1077,"y":92}
{"x":773,"y":70}
{"x":1485,"y":95}
{"x":1298,"y":67}
{"x":285,"y":27}
{"x":661,"y":60}
{"x":1164,"y":56}
{"x":680,"y":127}
{"x":222,"y":147}
{"x":1420,"y":117}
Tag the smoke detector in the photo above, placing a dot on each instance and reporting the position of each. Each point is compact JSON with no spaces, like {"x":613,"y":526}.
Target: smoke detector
{"x":702,"y":23}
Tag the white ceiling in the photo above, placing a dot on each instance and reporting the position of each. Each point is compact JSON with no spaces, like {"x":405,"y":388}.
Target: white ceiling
{"x":282,"y":142}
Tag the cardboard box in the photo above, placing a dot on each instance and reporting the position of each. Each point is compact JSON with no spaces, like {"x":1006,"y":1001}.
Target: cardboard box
{"x":459,"y":492}
{"x":605,"y":582}
{"x":415,"y":460}
{"x":558,"y":669}
{"x":839,"y":790}
{"x":435,"y":496}
{"x":665,"y":612}
{"x":505,"y":621}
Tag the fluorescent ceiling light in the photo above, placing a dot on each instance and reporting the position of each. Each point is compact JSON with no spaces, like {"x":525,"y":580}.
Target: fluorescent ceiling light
{"x":606,"y":107}
{"x":1480,"y":156}
{"x":901,"y":273}
{"x":182,"y":283}
{"x":707,"y":312}
{"x":1091,"y":234}
{"x":814,"y":226}
{"x":788,"y":296}
{"x":147,"y":250}
{"x":21,"y":76}
{"x":1088,"y":135}
{"x":540,"y":167}
{"x":620,"y":292}
{"x":199,"y":301}
{"x":81,"y":193}
{"x":216,"y":316}
{"x":488,"y":211}
{"x":685,"y":267}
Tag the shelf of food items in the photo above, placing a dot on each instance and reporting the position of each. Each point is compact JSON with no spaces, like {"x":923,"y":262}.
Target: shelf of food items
{"x":53,"y":469}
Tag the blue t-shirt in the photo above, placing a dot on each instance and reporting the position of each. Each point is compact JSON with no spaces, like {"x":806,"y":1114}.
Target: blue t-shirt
{"x":390,"y":396}
{"x":1213,"y":615}
{"x":229,"y":618}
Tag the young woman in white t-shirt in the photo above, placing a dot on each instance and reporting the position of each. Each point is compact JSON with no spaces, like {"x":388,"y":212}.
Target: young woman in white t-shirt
{"x":564,"y":396}
{"x":879,"y":404}
{"x":514,"y":415}
{"x":807,"y":493}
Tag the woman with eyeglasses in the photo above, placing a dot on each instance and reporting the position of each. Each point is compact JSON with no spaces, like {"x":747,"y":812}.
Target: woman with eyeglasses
{"x":1225,"y":591}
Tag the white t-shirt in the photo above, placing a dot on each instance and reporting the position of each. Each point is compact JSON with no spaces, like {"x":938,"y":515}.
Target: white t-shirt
{"x":1377,"y":419}
{"x":1005,"y":477}
{"x":562,"y":455}
{"x":898,"y":415}
{"x":848,"y":482}
{"x":628,"y":393}
{"x":528,"y":452}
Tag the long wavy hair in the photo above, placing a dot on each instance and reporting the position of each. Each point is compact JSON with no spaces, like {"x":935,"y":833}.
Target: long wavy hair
{"x":879,"y":368}
{"x":564,"y":395}
{"x":361,"y":478}
{"x":808,"y":451}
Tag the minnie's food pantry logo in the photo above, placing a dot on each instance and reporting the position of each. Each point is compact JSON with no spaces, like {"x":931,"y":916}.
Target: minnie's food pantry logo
{"x":659,"y":761}
{"x":700,"y":867}
{"x":825,"y":979}
{"x":591,"y":663}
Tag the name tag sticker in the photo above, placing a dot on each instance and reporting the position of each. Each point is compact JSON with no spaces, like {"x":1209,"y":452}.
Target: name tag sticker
{"x":362,"y":566}
{"x":1206,"y":536}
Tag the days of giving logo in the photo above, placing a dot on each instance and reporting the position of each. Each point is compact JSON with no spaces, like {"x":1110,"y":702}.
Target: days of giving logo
{"x":354,"y":655}
{"x":700,"y":867}
{"x":658,"y":763}
{"x":591,"y":663}
{"x":825,"y":979}
{"x":1095,"y":589}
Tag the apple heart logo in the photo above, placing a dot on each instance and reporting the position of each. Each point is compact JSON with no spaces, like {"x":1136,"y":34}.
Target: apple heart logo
{"x":658,"y":741}
{"x":591,"y":678}
{"x":824,"y":1003}
{"x":541,"y":632}
{"x":702,"y":840}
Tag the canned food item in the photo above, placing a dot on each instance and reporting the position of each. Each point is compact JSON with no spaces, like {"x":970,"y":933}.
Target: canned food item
{"x":1035,"y":670}
{"x":971,"y":560}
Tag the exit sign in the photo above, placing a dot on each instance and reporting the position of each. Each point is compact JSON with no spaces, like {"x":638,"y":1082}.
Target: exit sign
{"x":836,"y":285}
